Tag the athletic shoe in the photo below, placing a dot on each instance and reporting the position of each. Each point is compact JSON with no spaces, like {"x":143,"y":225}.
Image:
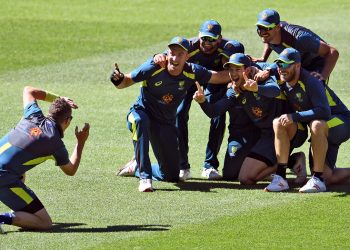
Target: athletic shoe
{"x":314,"y":185}
{"x":128,"y":169}
{"x":185,"y":174}
{"x":211,"y":174}
{"x":2,"y":230}
{"x":278,"y":184}
{"x":299,"y":168}
{"x":146,"y":185}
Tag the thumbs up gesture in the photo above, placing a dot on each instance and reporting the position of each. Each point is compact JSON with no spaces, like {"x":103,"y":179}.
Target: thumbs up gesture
{"x":199,"y":94}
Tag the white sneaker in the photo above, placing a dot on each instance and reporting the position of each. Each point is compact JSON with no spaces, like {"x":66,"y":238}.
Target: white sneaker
{"x":128,"y":169}
{"x":278,"y":184}
{"x":211,"y":174}
{"x":299,"y":168}
{"x":2,"y":230}
{"x":314,"y":185}
{"x":185,"y":174}
{"x":146,"y":185}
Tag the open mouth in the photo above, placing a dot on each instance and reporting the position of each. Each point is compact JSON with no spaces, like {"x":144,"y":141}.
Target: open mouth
{"x":174,"y":63}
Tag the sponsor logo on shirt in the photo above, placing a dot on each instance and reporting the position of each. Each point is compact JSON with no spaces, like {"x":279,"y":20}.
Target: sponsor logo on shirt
{"x":157,"y":84}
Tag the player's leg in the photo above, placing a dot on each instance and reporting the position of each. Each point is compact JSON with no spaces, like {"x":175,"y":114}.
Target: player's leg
{"x":339,"y":132}
{"x":29,"y":212}
{"x":214,"y":93}
{"x":139,"y":124}
{"x":164,"y":142}
{"x":239,"y":146}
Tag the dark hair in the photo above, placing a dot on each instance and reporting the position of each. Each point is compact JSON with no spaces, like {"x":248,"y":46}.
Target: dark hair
{"x":60,"y":110}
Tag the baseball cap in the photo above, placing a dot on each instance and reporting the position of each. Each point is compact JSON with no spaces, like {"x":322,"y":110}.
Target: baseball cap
{"x":232,"y":47}
{"x":268,"y":18}
{"x":210,"y":28}
{"x":289,"y":56}
{"x":239,"y":59}
{"x":182,"y":42}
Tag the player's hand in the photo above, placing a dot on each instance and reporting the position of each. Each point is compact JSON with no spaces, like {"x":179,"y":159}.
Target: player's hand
{"x":257,"y":59}
{"x":70,"y":102}
{"x":261,"y":75}
{"x":161,"y":60}
{"x":117,"y":75}
{"x":82,"y":134}
{"x":199,"y":94}
{"x":317,"y":75}
{"x":285,"y":119}
{"x":250,"y":84}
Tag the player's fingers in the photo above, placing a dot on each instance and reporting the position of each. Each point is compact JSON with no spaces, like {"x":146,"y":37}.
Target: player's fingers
{"x":245,"y":76}
{"x":199,"y":88}
{"x":116,"y":66}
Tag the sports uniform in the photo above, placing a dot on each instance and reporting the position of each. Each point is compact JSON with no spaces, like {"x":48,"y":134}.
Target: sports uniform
{"x":34,"y":140}
{"x":152,"y":118}
{"x":313,"y":101}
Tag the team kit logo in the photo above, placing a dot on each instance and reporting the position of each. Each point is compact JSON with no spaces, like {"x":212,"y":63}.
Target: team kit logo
{"x":35,"y":132}
{"x":257,"y":111}
{"x":181,"y":85}
{"x":168,"y":98}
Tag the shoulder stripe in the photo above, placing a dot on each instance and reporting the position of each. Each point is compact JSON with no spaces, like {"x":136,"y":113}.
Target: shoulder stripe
{"x":157,"y":71}
{"x":302,"y":85}
{"x":193,"y":53}
{"x":189,"y":75}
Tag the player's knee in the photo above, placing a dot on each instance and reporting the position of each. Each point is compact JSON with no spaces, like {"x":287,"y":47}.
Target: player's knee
{"x":318,"y":127}
{"x":277,"y":125}
{"x":246,"y":180}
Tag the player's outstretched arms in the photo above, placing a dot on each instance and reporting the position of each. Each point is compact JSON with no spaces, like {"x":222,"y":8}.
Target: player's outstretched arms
{"x":81,"y":135}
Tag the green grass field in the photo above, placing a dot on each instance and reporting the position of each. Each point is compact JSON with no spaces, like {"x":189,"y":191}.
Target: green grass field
{"x":69,"y":47}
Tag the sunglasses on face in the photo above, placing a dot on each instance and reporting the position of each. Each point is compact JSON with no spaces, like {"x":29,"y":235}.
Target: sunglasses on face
{"x":208,"y":39}
{"x":262,"y":28}
{"x":283,"y":65}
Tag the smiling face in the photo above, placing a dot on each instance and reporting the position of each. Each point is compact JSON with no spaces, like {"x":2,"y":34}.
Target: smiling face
{"x":209,"y":45}
{"x":236,"y":73}
{"x":268,"y":35}
{"x":177,"y":57}
{"x":289,"y":72}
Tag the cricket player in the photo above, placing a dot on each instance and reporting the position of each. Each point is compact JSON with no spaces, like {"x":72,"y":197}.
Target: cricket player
{"x":35,"y":139}
{"x":261,"y":101}
{"x":152,"y":119}
{"x":315,"y":104}
{"x":317,"y":56}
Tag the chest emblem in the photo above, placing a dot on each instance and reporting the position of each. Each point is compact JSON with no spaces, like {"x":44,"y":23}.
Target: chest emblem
{"x":168,"y":98}
{"x":181,"y":85}
{"x":35,"y":132}
{"x":257,"y":111}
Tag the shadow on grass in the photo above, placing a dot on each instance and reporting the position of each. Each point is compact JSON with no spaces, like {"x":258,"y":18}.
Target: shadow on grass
{"x":75,"y":228}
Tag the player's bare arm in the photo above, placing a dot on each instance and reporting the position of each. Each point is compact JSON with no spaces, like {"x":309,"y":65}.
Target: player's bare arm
{"x":81,"y":135}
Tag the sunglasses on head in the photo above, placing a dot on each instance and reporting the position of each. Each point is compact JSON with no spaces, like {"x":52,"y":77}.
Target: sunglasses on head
{"x":283,"y":65}
{"x":208,"y":39}
{"x":262,"y":28}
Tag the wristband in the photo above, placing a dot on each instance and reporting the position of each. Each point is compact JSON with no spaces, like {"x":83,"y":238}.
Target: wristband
{"x":50,"y":97}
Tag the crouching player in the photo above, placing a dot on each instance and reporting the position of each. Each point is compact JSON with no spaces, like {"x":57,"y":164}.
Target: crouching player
{"x":152,"y":118}
{"x":317,"y":105}
{"x":35,"y":139}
